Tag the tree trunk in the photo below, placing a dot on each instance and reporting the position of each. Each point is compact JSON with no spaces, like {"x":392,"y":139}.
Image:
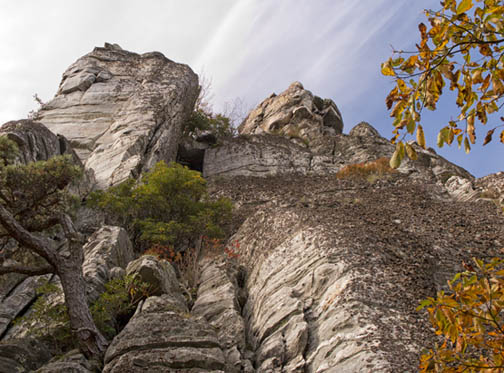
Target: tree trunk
{"x":91,"y":342}
{"x":68,"y":266}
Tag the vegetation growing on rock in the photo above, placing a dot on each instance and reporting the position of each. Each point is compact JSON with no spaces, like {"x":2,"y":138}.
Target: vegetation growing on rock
{"x":169,"y":206}
{"x":217,"y":124}
{"x":34,"y":199}
{"x":369,"y":171}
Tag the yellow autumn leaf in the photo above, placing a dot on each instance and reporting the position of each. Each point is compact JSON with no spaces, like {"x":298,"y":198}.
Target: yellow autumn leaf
{"x":398,"y":155}
{"x":387,"y":70}
{"x":464,"y":6}
{"x":420,"y":137}
{"x":470,"y":128}
{"x":411,"y":152}
{"x":467,"y":147}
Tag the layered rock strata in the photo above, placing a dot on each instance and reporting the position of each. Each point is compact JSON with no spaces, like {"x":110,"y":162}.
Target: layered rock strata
{"x":121,"y":111}
{"x":336,"y":268}
{"x":269,"y":155}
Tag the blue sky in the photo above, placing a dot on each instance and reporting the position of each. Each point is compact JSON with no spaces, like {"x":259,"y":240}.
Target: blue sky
{"x":247,"y":48}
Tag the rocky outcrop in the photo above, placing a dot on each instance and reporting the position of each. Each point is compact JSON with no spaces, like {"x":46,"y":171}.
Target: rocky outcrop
{"x":22,"y":355}
{"x":328,"y":271}
{"x":159,"y":274}
{"x":295,"y":113}
{"x":269,"y":155}
{"x":336,"y":268}
{"x":164,"y":337}
{"x":108,"y":248}
{"x":73,"y":361}
{"x":121,"y":111}
{"x":221,"y":296}
{"x":37,"y":143}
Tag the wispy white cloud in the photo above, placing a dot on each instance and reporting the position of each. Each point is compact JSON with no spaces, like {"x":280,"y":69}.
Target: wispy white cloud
{"x":249,"y":48}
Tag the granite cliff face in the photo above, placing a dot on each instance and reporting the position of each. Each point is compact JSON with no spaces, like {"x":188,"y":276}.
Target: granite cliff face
{"x":328,"y":271}
{"x":121,"y":111}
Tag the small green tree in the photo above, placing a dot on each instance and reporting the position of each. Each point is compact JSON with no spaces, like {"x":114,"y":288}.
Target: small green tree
{"x":169,"y":206}
{"x":219,"y":125}
{"x":34,"y":200}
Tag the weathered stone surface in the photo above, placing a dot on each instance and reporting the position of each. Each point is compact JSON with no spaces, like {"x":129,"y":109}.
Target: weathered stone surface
{"x":122,"y":111}
{"x":258,"y":155}
{"x":491,"y":187}
{"x":164,"y":337}
{"x":37,"y":143}
{"x":268,"y":155}
{"x":17,"y":300}
{"x":157,"y":273}
{"x":73,"y":361}
{"x":336,"y":268}
{"x":22,"y":355}
{"x":294,"y":113}
{"x":461,"y":189}
{"x":107,"y":248}
{"x":218,"y":301}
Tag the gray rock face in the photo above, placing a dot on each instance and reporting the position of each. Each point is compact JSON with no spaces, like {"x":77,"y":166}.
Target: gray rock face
{"x":336,"y":268}
{"x":159,"y":274}
{"x":22,"y":355}
{"x":218,"y":302}
{"x":121,"y":111}
{"x":73,"y":361}
{"x":295,"y":113}
{"x":37,"y":143}
{"x":107,"y":248}
{"x":163,"y":337}
{"x":19,"y":297}
{"x":268,"y":155}
{"x":257,"y":155}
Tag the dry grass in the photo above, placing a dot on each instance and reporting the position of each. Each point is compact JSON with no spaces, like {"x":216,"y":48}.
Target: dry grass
{"x":370,"y":171}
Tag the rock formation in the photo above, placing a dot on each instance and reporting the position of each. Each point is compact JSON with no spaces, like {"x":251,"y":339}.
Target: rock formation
{"x":121,"y":111}
{"x":328,"y":271}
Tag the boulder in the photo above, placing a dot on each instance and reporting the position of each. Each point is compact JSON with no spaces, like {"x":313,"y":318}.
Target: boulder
{"x":37,"y":143}
{"x":121,"y":111}
{"x":107,"y":248}
{"x":295,"y":113}
{"x":159,"y":274}
{"x":73,"y":361}
{"x":163,"y":337}
{"x":22,"y":355}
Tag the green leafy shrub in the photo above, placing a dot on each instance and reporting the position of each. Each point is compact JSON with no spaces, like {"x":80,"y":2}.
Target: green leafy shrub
{"x":169,"y":206}
{"x":48,"y":319}
{"x":217,"y":124}
{"x":111,"y":311}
